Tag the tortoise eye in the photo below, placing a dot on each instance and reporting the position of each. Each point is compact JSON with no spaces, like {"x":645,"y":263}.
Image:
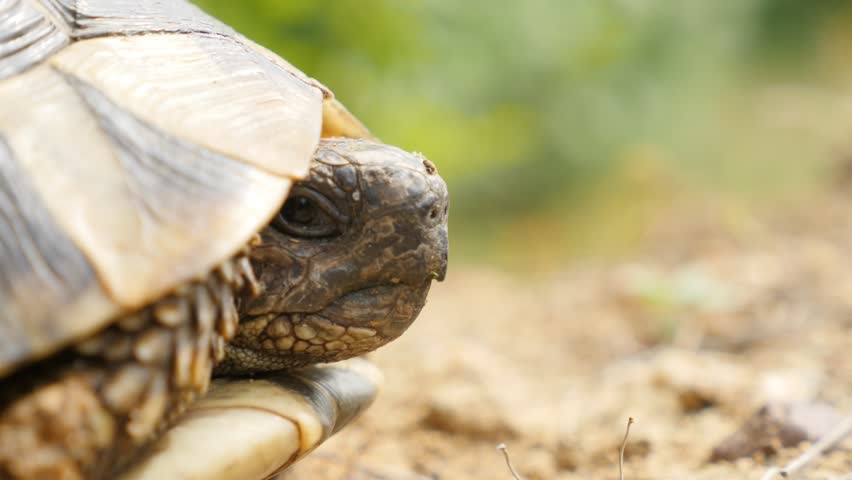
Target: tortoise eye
{"x":300,"y":210}
{"x":308,"y":214}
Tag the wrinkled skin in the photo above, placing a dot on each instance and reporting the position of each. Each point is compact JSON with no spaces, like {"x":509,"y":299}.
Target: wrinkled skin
{"x":346,"y":265}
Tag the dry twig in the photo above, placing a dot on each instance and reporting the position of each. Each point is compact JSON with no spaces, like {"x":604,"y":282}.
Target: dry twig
{"x":505,"y":450}
{"x":621,"y":452}
{"x":824,"y":444}
{"x":770,"y":474}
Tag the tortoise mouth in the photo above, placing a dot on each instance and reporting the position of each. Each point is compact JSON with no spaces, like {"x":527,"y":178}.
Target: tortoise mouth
{"x":379,"y":312}
{"x":355,"y":323}
{"x":386,"y":307}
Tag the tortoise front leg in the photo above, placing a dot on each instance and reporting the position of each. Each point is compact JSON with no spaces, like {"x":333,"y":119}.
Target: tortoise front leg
{"x":88,"y":411}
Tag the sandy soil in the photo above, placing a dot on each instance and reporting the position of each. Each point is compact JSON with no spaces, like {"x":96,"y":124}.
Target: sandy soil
{"x":715,"y":318}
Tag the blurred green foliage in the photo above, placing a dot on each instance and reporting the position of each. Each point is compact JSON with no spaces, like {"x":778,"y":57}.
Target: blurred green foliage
{"x":559,"y":123}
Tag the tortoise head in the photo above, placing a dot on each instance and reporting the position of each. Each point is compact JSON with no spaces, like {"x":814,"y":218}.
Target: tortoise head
{"x":347,"y":263}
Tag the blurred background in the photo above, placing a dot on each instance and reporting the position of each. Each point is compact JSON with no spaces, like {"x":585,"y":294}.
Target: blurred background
{"x":561,"y":126}
{"x":649,"y":218}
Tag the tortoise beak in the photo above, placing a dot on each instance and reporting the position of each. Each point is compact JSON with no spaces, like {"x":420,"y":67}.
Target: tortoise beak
{"x":434,"y":230}
{"x":440,"y":257}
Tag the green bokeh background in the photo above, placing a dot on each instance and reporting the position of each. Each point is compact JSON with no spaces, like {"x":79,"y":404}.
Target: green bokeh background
{"x":562,"y":125}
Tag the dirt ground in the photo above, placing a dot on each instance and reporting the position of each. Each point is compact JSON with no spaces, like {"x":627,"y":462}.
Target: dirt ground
{"x":718,"y":315}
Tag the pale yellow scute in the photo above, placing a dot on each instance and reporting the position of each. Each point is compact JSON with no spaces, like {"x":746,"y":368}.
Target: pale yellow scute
{"x":284,"y":64}
{"x":147,"y":210}
{"x":268,"y":396}
{"x":221,"y":444}
{"x":211,"y":90}
{"x":248,"y":429}
{"x":337,"y":121}
{"x":42,"y":311}
{"x":83,"y":315}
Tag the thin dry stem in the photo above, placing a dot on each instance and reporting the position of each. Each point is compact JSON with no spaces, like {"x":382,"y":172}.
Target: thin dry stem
{"x":505,"y":450}
{"x":770,"y":474}
{"x":623,"y":446}
{"x":828,"y":441}
{"x":824,"y":444}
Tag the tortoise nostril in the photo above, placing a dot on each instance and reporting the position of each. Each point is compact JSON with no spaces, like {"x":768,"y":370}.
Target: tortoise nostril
{"x":433,"y":214}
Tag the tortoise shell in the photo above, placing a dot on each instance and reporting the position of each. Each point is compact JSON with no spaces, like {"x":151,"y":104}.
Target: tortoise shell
{"x":141,"y":144}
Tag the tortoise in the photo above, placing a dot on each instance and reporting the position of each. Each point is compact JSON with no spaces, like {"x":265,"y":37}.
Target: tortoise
{"x":177,"y":202}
